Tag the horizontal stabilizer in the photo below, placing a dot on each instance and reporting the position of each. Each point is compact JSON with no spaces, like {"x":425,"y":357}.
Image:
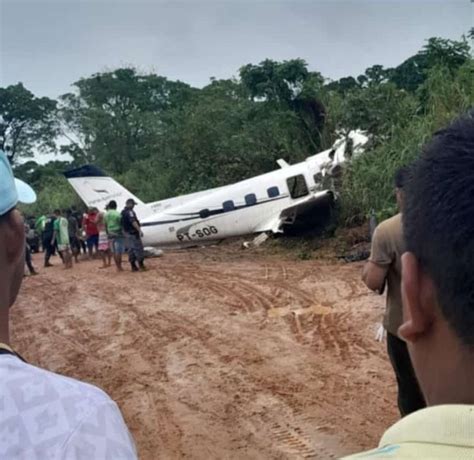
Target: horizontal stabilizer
{"x":282,"y":163}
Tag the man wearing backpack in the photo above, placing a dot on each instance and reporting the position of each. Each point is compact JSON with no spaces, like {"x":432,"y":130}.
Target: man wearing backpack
{"x":47,"y":237}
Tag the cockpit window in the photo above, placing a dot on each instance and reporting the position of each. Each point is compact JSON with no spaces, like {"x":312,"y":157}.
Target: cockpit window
{"x":297,"y":186}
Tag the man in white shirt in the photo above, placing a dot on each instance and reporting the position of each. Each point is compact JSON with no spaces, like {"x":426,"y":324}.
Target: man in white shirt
{"x":45,"y":415}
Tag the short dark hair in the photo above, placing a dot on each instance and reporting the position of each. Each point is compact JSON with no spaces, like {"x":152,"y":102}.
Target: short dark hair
{"x":402,"y":175}
{"x":57,"y":211}
{"x":438,"y":221}
{"x":112,"y":204}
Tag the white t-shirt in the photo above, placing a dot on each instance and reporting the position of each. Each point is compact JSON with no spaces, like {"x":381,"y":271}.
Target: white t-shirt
{"x":47,"y":416}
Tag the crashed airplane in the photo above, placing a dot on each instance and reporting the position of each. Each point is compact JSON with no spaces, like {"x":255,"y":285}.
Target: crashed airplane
{"x":263,"y":204}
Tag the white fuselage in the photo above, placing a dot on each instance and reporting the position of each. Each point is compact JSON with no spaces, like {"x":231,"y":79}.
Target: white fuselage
{"x":263,"y":203}
{"x":250,"y":206}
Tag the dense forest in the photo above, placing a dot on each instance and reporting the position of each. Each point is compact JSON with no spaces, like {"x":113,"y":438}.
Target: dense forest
{"x":162,"y":138}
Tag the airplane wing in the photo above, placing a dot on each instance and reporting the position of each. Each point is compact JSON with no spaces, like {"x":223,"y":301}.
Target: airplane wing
{"x":289,"y":214}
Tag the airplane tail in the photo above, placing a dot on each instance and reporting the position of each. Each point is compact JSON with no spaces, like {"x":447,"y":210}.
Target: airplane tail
{"x":96,"y":189}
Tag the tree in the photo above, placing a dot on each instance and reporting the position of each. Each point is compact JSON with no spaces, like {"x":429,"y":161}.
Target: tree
{"x":343,"y":85}
{"x":116,"y":118}
{"x":274,"y":81}
{"x":26,"y":122}
{"x":412,"y":73}
{"x":289,"y":85}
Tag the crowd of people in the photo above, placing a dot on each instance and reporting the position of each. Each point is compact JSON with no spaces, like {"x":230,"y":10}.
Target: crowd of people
{"x":424,"y":255}
{"x":104,"y":235}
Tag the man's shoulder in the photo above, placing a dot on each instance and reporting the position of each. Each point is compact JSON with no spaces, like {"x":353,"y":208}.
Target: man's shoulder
{"x":434,"y":432}
{"x":19,"y":378}
{"x":48,"y":415}
{"x":129,"y":213}
{"x":391,"y":226}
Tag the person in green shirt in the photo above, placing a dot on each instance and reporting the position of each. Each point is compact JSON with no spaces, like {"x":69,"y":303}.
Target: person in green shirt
{"x":113,"y":227}
{"x":61,"y":236}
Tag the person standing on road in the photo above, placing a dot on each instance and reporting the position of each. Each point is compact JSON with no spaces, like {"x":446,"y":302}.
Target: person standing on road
{"x":61,"y":238}
{"x":113,"y":226}
{"x":384,"y":267}
{"x":73,"y":229}
{"x":89,"y":224}
{"x":104,"y":247}
{"x":81,"y":241}
{"x":47,"y":237}
{"x":438,"y":306}
{"x":39,"y":227}
{"x":45,"y":415}
{"x":133,"y":236}
{"x":28,"y":260}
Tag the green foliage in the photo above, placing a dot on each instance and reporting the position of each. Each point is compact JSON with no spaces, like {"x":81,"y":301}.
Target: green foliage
{"x":412,"y":73}
{"x":26,"y":122}
{"x":162,"y":138}
{"x":368,"y":182}
{"x":55,"y":193}
{"x":116,"y":118}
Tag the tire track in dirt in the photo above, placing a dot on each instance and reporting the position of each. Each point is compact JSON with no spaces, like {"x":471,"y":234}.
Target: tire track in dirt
{"x":247,"y":294}
{"x":195,"y":379}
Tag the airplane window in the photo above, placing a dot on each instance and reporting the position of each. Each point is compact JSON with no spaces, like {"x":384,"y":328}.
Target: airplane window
{"x":204,"y":213}
{"x":273,"y":192}
{"x":250,"y":199}
{"x":297,"y":186}
{"x":228,"y":205}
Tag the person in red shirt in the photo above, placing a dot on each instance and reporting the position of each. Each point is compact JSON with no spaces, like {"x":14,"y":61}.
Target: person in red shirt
{"x":89,"y":225}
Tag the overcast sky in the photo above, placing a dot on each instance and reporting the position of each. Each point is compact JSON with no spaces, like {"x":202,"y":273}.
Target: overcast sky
{"x":48,"y":45}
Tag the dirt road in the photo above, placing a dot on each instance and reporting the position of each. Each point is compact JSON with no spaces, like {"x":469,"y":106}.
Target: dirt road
{"x":219,"y":353}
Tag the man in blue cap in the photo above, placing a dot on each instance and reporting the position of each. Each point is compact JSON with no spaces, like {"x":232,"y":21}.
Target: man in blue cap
{"x":44,"y":415}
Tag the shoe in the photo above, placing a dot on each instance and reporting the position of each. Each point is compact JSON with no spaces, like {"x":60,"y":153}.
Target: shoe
{"x":48,"y":265}
{"x":143,"y":268}
{"x":34,"y":272}
{"x":134,"y":268}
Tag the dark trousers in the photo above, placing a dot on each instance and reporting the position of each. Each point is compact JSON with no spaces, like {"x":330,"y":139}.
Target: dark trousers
{"x":410,"y":398}
{"x":28,"y":259}
{"x":48,"y":250}
{"x":135,"y":249}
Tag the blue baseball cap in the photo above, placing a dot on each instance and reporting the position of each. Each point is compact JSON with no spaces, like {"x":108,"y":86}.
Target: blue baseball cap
{"x":12,"y":190}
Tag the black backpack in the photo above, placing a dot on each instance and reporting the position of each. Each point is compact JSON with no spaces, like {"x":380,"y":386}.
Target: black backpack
{"x":49,"y":227}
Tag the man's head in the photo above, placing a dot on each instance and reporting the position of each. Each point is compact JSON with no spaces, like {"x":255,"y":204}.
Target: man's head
{"x":12,"y":236}
{"x":438,"y":269}
{"x":57,"y":212}
{"x":68,"y":212}
{"x":400,"y":180}
{"x":130,"y":203}
{"x":112,"y":205}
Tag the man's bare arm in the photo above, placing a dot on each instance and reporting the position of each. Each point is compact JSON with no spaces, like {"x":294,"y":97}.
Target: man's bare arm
{"x":374,"y":276}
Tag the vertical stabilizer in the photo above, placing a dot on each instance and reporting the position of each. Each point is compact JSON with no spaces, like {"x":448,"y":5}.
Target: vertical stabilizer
{"x":96,"y":189}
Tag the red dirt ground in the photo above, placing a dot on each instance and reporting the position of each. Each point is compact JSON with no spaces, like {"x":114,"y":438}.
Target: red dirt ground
{"x":218,"y":352}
